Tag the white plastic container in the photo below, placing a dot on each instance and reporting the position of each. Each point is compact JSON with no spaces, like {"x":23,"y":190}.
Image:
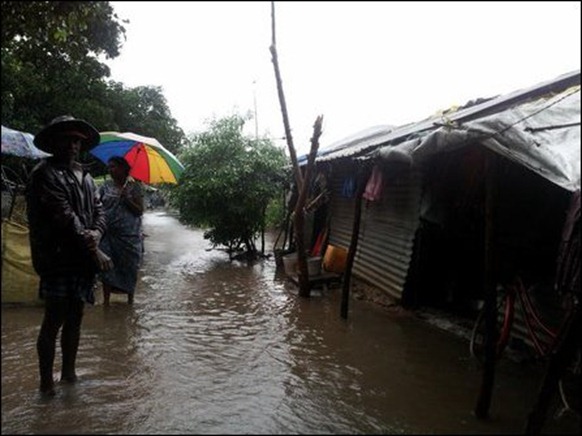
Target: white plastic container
{"x":290,"y":264}
{"x":314,"y":266}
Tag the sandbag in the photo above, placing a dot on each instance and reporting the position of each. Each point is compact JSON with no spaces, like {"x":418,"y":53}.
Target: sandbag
{"x":19,"y":280}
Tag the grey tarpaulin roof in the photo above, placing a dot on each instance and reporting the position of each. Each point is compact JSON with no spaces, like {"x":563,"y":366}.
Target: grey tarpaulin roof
{"x":542,"y":134}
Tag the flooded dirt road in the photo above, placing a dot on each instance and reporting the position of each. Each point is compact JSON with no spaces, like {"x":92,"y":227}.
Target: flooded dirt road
{"x":214,"y":347}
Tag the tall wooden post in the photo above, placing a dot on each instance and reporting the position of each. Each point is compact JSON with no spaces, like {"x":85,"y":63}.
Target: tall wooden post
{"x":361,"y":186}
{"x":560,"y":358}
{"x":485,"y":393}
{"x":302,"y":182}
{"x":567,"y":283}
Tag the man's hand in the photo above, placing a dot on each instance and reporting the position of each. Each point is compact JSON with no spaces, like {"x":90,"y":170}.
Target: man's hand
{"x":92,"y":238}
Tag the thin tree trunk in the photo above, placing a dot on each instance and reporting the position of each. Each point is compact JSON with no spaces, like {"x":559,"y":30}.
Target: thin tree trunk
{"x":263,"y":232}
{"x":302,"y":183}
{"x":288,"y":136}
{"x":303,"y":273}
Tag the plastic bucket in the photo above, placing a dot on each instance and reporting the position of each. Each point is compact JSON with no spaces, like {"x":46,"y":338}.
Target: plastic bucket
{"x":314,"y":265}
{"x":335,"y":259}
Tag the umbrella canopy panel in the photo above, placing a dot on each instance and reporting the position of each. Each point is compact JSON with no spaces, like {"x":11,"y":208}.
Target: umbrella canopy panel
{"x":150,"y":161}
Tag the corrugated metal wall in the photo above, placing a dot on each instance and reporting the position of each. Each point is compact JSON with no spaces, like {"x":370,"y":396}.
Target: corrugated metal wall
{"x":387,"y":229}
{"x":341,"y":208}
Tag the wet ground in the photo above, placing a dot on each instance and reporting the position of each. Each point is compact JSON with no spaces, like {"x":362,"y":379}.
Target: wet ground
{"x":218,"y":347}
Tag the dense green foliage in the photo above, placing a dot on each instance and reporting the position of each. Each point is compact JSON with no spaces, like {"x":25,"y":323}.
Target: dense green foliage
{"x":229,"y":181}
{"x":50,"y":60}
{"x":51,"y":66}
{"x":275,"y":213}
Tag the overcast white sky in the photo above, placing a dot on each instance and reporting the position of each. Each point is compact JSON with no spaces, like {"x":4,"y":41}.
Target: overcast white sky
{"x":359,"y":64}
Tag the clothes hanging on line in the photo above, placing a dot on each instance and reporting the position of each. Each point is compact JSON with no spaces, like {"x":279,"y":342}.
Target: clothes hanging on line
{"x":373,"y":191}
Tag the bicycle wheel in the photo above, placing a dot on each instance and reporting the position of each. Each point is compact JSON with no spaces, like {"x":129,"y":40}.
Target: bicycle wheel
{"x":477,"y":342}
{"x":570,"y":384}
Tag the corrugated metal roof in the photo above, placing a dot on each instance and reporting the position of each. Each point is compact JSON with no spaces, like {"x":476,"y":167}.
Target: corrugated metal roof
{"x":366,"y":140}
{"x":351,"y":140}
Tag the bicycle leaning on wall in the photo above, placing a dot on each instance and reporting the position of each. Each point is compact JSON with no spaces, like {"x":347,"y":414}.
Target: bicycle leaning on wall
{"x":542,"y":334}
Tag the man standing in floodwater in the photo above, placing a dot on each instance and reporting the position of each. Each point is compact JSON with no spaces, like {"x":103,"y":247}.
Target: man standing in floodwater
{"x":66,"y":221}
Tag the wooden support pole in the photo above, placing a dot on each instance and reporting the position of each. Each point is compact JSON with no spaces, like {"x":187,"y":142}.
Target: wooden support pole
{"x":561,"y":357}
{"x":485,"y":393}
{"x":361,"y":186}
{"x":567,"y":283}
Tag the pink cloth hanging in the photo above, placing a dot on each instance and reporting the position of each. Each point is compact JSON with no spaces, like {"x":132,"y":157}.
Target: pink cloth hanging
{"x":373,"y":191}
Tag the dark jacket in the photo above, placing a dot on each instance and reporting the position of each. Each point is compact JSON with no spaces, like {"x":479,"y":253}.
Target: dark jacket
{"x":59,"y":210}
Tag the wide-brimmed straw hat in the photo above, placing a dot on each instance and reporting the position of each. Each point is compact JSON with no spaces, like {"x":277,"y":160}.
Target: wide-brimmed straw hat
{"x":66,"y":125}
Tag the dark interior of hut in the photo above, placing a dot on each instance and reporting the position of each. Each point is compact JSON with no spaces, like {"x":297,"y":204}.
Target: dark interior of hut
{"x":448,"y":265}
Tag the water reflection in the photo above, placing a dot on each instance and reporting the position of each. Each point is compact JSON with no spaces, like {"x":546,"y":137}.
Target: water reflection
{"x":212,"y":346}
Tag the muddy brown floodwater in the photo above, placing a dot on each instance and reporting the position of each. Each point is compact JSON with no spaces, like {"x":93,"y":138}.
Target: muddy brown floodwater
{"x":212,"y":346}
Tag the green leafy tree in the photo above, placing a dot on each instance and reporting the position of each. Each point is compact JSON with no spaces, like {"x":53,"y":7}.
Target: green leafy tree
{"x":144,"y":110}
{"x":52,"y":65}
{"x":50,"y":60}
{"x":228,"y":183}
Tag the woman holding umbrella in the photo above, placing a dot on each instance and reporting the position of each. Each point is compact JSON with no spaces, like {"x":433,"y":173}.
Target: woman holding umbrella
{"x":122,"y":199}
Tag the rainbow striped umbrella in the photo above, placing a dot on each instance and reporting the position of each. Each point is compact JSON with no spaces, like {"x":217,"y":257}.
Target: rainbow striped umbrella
{"x":150,"y":161}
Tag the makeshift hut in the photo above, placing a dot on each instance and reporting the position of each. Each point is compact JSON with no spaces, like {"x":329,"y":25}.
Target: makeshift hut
{"x":422,"y":234}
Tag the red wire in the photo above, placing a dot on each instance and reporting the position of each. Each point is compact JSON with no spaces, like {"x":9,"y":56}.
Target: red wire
{"x":530,"y":313}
